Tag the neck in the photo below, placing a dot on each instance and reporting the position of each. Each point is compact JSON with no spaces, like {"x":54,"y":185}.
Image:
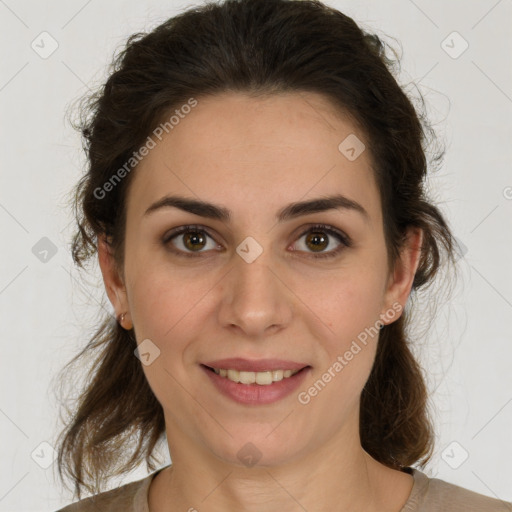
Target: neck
{"x":337,"y":475}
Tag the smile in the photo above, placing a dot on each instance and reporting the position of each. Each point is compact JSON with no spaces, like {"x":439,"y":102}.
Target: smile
{"x":256,"y":388}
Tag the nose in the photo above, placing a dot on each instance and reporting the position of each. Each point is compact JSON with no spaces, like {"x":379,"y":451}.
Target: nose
{"x":256,"y":300}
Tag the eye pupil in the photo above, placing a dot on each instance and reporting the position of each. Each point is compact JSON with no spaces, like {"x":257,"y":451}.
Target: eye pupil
{"x":195,"y":238}
{"x":314,"y":237}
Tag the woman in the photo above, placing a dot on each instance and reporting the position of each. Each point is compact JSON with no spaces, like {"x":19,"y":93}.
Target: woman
{"x":255,"y":197}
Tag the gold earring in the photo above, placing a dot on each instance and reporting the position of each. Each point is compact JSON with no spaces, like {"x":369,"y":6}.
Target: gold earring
{"x":120,"y":320}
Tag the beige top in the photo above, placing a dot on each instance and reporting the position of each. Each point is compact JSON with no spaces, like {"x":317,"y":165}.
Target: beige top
{"x":427,"y":495}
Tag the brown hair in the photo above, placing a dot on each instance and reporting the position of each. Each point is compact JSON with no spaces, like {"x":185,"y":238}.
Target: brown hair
{"x":258,"y":47}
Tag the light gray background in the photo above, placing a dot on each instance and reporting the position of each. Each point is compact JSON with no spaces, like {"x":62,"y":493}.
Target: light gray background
{"x":47,"y":313}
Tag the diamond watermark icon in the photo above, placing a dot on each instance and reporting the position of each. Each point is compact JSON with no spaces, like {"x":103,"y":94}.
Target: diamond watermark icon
{"x":44,"y":45}
{"x":351,"y":147}
{"x":44,"y":455}
{"x":44,"y":250}
{"x":249,"y":455}
{"x":455,"y":455}
{"x":454,"y":45}
{"x":147,"y":352}
{"x":249,"y":249}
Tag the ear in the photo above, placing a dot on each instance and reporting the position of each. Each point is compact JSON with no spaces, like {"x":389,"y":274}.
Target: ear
{"x":400,"y":281}
{"x":114,"y":285}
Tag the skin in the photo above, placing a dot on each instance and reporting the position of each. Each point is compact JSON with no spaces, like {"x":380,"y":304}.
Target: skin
{"x":255,"y":156}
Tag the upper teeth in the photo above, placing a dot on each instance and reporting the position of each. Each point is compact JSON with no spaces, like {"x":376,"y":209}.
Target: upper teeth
{"x":263,"y":378}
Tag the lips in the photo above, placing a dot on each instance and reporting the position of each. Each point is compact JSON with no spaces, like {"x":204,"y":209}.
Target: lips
{"x":256,"y":394}
{"x":259,"y":365}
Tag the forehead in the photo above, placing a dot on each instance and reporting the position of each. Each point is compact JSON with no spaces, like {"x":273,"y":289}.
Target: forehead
{"x":257,"y":153}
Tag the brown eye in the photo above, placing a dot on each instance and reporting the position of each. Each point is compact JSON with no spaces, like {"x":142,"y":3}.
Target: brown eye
{"x":188,"y":240}
{"x":318,"y":240}
{"x":194,"y":240}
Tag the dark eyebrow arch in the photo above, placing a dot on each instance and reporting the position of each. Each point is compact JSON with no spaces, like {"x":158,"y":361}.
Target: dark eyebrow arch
{"x":291,"y":211}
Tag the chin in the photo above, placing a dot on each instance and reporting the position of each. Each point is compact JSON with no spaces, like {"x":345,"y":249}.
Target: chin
{"x":254,"y":447}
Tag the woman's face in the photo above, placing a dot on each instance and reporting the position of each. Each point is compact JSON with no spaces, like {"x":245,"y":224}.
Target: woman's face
{"x":251,"y":287}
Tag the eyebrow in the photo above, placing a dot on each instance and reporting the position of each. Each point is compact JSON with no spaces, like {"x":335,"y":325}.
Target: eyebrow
{"x":291,"y":211}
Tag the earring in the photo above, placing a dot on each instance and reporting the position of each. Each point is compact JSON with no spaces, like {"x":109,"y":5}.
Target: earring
{"x":120,"y":320}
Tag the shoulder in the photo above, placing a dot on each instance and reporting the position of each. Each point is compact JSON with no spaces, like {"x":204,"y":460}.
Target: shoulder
{"x":131,"y":497}
{"x":435,"y":495}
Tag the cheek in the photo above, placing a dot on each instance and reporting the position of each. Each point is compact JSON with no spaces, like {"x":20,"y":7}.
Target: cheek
{"x":346,"y":304}
{"x":169,"y":306}
{"x":350,"y":306}
{"x":350,"y":309}
{"x":166,"y":310}
{"x":163,"y":304}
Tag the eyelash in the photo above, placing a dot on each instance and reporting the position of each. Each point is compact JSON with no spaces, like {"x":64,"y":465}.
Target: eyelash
{"x":345,"y":240}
